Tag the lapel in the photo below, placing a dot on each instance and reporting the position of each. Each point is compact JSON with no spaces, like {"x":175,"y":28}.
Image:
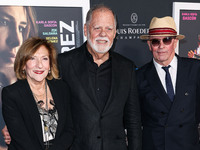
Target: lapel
{"x":153,"y":78}
{"x":181,"y":76}
{"x":80,"y":66}
{"x":58,"y":104}
{"x":32,"y":109}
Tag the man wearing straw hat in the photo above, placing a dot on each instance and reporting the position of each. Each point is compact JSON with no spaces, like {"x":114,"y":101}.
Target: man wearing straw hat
{"x":169,"y":89}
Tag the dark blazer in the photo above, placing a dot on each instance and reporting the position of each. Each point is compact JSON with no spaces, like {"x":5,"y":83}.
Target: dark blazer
{"x":22,"y":118}
{"x":95,"y":129}
{"x":167,"y":125}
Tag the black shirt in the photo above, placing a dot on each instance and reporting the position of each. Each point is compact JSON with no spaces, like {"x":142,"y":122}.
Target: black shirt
{"x":100,"y":77}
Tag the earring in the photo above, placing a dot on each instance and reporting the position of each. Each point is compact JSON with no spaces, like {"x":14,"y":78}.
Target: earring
{"x":23,"y":71}
{"x":49,"y":71}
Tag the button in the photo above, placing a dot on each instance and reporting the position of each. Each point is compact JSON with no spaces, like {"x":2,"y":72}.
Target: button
{"x":163,"y":113}
{"x":186,"y":94}
{"x":98,"y":89}
{"x":180,"y":126}
{"x":182,"y":110}
{"x":98,"y":137}
{"x":101,"y":117}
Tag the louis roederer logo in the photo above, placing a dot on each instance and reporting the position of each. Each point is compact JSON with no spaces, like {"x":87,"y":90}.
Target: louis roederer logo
{"x":134,"y":18}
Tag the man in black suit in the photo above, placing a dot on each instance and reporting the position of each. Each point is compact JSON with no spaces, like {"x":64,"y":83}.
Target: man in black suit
{"x":169,"y":91}
{"x":103,"y":88}
{"x":105,"y":99}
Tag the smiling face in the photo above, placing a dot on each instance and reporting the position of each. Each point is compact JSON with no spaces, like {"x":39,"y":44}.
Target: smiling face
{"x":163,"y":53}
{"x":38,"y":66}
{"x":100,"y":31}
{"x":13,"y":21}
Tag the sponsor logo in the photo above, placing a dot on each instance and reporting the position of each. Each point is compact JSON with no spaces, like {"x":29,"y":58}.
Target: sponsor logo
{"x":134,"y":18}
{"x":132,"y":30}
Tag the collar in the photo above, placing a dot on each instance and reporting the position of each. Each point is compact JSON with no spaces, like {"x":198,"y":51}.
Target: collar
{"x":173,"y":63}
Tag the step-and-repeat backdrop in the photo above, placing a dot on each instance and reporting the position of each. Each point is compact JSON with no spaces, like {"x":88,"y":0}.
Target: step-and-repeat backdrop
{"x":61,"y":22}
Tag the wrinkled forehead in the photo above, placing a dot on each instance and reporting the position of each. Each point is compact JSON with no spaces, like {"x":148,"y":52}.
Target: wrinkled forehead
{"x":102,"y":13}
{"x":102,"y":17}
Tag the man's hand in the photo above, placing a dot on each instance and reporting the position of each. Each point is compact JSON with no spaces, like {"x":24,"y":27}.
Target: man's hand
{"x":6,"y":135}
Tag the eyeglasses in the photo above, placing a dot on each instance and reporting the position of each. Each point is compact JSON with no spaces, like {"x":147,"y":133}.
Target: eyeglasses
{"x":166,"y":41}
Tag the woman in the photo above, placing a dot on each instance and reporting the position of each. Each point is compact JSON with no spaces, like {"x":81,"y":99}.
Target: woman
{"x":36,"y":107}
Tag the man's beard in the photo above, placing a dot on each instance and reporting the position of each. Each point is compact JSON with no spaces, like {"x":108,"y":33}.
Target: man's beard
{"x":99,"y":49}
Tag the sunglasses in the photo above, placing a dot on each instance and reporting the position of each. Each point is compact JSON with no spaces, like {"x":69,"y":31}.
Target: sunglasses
{"x":166,"y":41}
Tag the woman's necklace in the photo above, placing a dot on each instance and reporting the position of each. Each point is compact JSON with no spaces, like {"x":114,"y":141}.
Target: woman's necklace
{"x":45,"y":121}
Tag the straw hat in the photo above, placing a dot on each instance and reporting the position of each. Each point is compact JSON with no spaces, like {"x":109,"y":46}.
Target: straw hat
{"x":162,"y":27}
